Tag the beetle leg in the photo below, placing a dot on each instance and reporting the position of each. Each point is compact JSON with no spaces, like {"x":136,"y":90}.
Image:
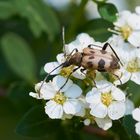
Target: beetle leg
{"x":82,"y":71}
{"x":89,"y":46}
{"x":76,"y":50}
{"x":47,"y":77}
{"x":117,"y":77}
{"x":68,"y":78}
{"x":105,"y":47}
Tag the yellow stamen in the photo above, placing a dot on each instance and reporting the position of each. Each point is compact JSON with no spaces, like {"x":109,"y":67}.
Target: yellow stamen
{"x":66,"y":71}
{"x":106,"y":98}
{"x":134,"y":65}
{"x":59,"y":98}
{"x":126,"y":31}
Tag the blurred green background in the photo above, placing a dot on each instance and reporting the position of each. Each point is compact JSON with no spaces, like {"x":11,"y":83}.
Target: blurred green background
{"x":30,"y":36}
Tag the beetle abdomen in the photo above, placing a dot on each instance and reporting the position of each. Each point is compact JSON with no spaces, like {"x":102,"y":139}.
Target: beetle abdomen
{"x":98,"y":60}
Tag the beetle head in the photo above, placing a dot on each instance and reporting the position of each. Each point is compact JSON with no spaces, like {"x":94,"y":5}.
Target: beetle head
{"x":74,"y":59}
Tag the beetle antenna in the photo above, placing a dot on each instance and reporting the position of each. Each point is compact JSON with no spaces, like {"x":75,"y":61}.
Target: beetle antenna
{"x":68,"y":78}
{"x":48,"y":76}
{"x":108,"y":44}
{"x":89,"y":46}
{"x":63,"y":40}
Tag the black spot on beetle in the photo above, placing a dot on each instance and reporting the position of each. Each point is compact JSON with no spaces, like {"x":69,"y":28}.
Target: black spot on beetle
{"x":103,"y":51}
{"x":89,"y":64}
{"x":114,"y":63}
{"x":91,"y":57}
{"x":92,"y":52}
{"x":101,"y":64}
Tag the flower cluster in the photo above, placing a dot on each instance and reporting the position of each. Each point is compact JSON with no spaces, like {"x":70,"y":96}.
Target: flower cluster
{"x":88,"y":94}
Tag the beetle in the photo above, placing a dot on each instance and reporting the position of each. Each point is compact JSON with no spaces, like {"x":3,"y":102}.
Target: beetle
{"x":95,"y":59}
{"x":91,"y":59}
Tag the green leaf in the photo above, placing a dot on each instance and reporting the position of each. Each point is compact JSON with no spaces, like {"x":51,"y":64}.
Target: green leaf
{"x":133,"y":90}
{"x":98,"y":29}
{"x":19,"y":56}
{"x":6,"y":9}
{"x":108,"y":11}
{"x":40,"y":16}
{"x":35,"y":123}
{"x":100,"y":1}
{"x":129,"y":125}
{"x":18,"y":94}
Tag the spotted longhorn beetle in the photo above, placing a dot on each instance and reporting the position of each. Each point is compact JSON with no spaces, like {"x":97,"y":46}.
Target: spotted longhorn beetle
{"x":92,"y":59}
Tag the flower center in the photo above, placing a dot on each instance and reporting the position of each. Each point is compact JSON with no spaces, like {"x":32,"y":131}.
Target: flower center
{"x":134,"y":65}
{"x":66,"y":71}
{"x":126,"y":30}
{"x":59,"y":98}
{"x":106,"y":98}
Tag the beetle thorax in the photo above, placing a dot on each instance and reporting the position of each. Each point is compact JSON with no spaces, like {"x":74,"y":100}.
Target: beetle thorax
{"x":76,"y":59}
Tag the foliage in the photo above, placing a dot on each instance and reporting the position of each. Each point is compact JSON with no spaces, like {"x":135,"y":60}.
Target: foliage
{"x":30,"y":36}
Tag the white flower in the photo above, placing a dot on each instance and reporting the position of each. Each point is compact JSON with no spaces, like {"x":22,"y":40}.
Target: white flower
{"x":52,"y":65}
{"x":128,"y":26}
{"x":62,"y":101}
{"x":82,"y":41}
{"x":130,"y":57}
{"x":131,"y":61}
{"x":65,"y":71}
{"x":104,"y":123}
{"x":106,"y":100}
{"x":136,"y":116}
{"x":137,"y":9}
{"x":39,"y":90}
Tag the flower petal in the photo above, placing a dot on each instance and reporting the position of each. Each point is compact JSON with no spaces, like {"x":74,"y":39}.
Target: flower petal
{"x":51,"y":66}
{"x":82,"y":41}
{"x":134,"y":21}
{"x":59,"y":81}
{"x":137,"y":125}
{"x":99,"y":110}
{"x":93,"y":96}
{"x":82,"y":111}
{"x":117,"y":94}
{"x":103,"y":85}
{"x":137,"y":9}
{"x":129,"y":107}
{"x":134,"y":39}
{"x":60,"y":58}
{"x":72,"y":106}
{"x":85,"y":39}
{"x":124,"y":78}
{"x":122,"y":18}
{"x":54,"y":110}
{"x":78,"y":74}
{"x":47,"y":91}
{"x":73,"y":45}
{"x":136,"y":114}
{"x":35,"y":95}
{"x":74,"y":91}
{"x":116,"y":110}
{"x":136,"y":77}
{"x":104,"y":123}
